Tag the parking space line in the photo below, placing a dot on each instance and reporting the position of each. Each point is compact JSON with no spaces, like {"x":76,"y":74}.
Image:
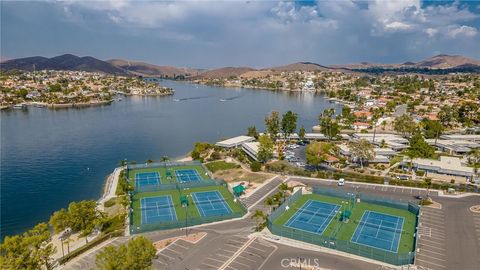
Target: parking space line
{"x":431,"y":257}
{"x":261,"y":250}
{"x":253,"y":254}
{"x":215,"y":260}
{"x":235,"y":261}
{"x":166,"y":256}
{"x":258,"y":243}
{"x":174,"y":251}
{"x":209,"y":265}
{"x":223,"y":255}
{"x":428,"y":262}
{"x":246,"y":258}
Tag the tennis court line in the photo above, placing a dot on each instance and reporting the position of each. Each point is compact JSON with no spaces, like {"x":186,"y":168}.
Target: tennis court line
{"x":303,"y":208}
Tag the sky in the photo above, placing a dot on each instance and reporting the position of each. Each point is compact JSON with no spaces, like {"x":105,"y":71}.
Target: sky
{"x":209,"y":34}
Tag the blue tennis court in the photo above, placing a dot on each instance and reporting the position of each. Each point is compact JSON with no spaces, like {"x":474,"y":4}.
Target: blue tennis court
{"x":211,"y":203}
{"x":379,"y":230}
{"x":313,"y":216}
{"x":147,"y":179}
{"x":187,"y":175}
{"x":157,"y":209}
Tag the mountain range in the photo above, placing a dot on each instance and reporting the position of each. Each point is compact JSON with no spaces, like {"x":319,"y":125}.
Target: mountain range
{"x":440,"y":63}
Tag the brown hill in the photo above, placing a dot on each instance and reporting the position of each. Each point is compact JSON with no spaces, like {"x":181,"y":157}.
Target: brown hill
{"x":221,"y":73}
{"x":62,"y":62}
{"x":150,"y":70}
{"x":300,"y":66}
{"x":442,"y":61}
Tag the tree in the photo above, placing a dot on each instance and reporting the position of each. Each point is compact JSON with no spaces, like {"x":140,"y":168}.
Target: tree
{"x":137,"y":254}
{"x":164,"y":159}
{"x":59,"y":220}
{"x":348,"y":118}
{"x":83,"y":217}
{"x":447,"y":115}
{"x":260,"y":219}
{"x":301,"y":133}
{"x":31,"y":250}
{"x":404,"y":124}
{"x":431,"y":129}
{"x":328,"y":126}
{"x":474,"y":159}
{"x":318,"y":152}
{"x":363,"y":150}
{"x":289,"y":123}
{"x":419,"y":148}
{"x":252,"y":132}
{"x":265,"y":148}
{"x":255,"y":166}
{"x":272,"y":123}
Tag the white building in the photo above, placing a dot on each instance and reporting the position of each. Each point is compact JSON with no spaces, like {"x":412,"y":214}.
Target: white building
{"x":446,"y":166}
{"x":235,"y":141}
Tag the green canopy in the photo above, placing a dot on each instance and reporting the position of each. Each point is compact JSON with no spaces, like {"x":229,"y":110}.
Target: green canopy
{"x":346,"y":215}
{"x":184,"y":200}
{"x":238,"y":190}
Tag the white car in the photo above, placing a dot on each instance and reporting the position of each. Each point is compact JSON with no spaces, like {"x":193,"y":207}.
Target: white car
{"x":341,"y":182}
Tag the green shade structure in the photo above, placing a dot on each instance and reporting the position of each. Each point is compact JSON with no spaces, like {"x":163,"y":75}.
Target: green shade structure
{"x":238,"y":190}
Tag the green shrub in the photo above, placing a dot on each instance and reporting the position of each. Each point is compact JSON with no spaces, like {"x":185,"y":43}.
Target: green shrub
{"x":255,"y":166}
{"x":110,"y":202}
{"x":220,"y":165}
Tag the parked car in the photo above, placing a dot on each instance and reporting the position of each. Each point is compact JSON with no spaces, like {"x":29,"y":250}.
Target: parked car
{"x":403,"y":177}
{"x":341,"y":182}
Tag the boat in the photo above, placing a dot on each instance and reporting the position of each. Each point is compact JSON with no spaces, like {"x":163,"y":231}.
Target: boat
{"x":20,"y":106}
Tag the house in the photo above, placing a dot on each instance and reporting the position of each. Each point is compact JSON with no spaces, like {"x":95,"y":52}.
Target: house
{"x":454,"y":147}
{"x":360,"y":126}
{"x":446,"y":168}
{"x":395,"y":142}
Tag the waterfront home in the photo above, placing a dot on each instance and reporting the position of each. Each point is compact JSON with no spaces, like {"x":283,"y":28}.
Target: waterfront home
{"x":395,"y":142}
{"x":360,"y":126}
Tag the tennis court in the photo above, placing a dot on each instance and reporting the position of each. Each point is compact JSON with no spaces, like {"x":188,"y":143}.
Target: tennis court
{"x":379,"y":230}
{"x":313,"y":216}
{"x":211,"y":203}
{"x":187,"y":175}
{"x":157,"y":209}
{"x":147,"y":179}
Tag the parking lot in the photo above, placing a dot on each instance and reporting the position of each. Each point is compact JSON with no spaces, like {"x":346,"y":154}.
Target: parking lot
{"x":253,"y":256}
{"x":172,"y":254}
{"x":224,"y":252}
{"x":431,"y":246}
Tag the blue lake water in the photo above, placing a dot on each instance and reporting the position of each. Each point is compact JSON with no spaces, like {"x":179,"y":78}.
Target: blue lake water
{"x":52,"y":157}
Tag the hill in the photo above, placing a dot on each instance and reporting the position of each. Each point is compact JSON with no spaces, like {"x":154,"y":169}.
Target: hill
{"x":62,"y":62}
{"x":441,"y":61}
{"x":222,"y":73}
{"x":150,"y":70}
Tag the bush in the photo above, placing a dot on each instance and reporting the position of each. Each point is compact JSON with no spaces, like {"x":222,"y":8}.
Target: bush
{"x":255,"y":166}
{"x":215,"y":155}
{"x":110,"y":202}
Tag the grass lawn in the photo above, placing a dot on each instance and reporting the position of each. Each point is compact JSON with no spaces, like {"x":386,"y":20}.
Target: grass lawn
{"x":221,"y":166}
{"x":180,"y":211}
{"x":163,"y":173}
{"x":347,"y":229}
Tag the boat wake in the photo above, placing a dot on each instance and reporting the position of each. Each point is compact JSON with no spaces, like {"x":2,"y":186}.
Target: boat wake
{"x":231,"y":98}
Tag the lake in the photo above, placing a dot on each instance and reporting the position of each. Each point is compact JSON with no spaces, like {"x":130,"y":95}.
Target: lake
{"x":52,"y":157}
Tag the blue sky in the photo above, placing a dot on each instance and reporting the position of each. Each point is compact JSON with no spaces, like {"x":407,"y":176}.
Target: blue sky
{"x":211,"y":34}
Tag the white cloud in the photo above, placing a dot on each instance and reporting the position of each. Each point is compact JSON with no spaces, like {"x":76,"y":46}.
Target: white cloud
{"x":459,"y":31}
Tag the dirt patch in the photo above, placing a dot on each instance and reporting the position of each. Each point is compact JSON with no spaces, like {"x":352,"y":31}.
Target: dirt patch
{"x":241,"y":175}
{"x":192,"y":238}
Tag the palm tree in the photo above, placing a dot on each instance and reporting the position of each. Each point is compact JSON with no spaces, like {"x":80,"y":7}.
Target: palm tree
{"x":283,"y":187}
{"x":270,"y":202}
{"x":260,"y":219}
{"x":164,"y":159}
